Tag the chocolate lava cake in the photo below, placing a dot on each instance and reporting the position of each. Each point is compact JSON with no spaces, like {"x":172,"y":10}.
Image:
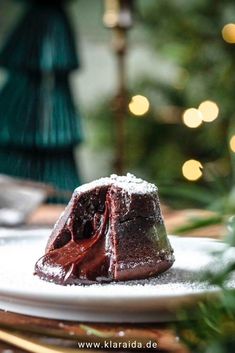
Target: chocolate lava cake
{"x":111,"y":230}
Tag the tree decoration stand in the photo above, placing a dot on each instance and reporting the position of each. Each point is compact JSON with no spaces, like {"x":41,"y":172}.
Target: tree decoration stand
{"x":39,"y":123}
{"x":118,"y":16}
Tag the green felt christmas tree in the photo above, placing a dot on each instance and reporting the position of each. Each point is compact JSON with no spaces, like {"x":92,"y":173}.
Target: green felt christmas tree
{"x":40,"y":125}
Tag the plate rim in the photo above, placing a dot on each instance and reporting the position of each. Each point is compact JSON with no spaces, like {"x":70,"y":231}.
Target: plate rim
{"x":83,"y":306}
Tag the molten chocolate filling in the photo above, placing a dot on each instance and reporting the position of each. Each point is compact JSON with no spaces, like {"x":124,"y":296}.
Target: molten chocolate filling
{"x":85,"y":258}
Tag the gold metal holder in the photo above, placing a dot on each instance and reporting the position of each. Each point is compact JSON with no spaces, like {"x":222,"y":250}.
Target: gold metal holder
{"x":118,"y":16}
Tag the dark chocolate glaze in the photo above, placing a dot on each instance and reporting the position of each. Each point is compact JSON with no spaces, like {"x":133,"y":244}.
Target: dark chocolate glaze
{"x":107,"y":234}
{"x":86,"y":258}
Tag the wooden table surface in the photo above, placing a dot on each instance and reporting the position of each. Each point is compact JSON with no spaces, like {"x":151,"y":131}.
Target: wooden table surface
{"x":64,"y":334}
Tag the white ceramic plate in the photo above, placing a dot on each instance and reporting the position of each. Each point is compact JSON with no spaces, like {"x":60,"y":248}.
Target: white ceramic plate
{"x":153,"y":300}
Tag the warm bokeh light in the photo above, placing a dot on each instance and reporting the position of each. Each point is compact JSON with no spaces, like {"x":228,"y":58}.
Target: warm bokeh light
{"x":110,"y":19}
{"x":209,"y":110}
{"x":192,"y":118}
{"x":139,"y":105}
{"x":228,"y":33}
{"x":192,"y":169}
{"x":232,"y":143}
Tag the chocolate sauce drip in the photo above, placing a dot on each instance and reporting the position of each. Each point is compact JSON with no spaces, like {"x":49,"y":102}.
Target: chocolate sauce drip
{"x":86,"y":258}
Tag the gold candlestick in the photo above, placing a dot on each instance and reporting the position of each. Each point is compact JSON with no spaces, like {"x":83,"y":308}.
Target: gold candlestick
{"x":118,"y":16}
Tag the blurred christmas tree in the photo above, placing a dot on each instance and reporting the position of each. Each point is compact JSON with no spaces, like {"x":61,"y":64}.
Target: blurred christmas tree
{"x":39,"y":123}
{"x":210,"y":327}
{"x":169,"y":133}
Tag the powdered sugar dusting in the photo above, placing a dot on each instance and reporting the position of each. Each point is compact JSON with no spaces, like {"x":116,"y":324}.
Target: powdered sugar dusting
{"x":133,"y":184}
{"x":148,"y":300}
{"x":19,"y":254}
{"x":128,"y":182}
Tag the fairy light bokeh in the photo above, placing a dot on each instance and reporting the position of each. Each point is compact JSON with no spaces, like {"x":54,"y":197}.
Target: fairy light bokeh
{"x":209,"y":110}
{"x":192,"y":118}
{"x":232,"y":143}
{"x":228,"y":33}
{"x":139,"y":105}
{"x":192,"y":170}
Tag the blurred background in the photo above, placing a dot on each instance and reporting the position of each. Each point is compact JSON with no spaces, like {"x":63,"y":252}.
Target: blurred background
{"x":89,"y":88}
{"x":150,"y":92}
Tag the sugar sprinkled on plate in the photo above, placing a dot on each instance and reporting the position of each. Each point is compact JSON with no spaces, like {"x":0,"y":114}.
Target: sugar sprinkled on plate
{"x":147,"y":300}
{"x":17,"y":259}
